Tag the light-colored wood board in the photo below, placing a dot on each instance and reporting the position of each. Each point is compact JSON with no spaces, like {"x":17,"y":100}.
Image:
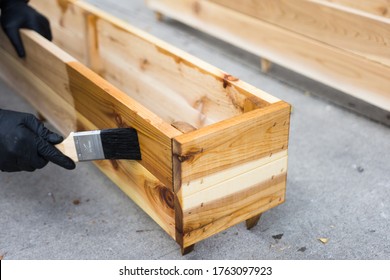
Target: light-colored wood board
{"x":335,"y":25}
{"x":48,"y":63}
{"x":68,"y":24}
{"x":350,"y":73}
{"x":37,"y":93}
{"x":195,"y":186}
{"x":229,"y":143}
{"x":46,"y":91}
{"x":375,"y":7}
{"x":233,"y":185}
{"x":126,"y":71}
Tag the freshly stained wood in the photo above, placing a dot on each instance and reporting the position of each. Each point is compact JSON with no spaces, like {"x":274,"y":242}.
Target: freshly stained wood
{"x":349,"y":72}
{"x":213,"y":154}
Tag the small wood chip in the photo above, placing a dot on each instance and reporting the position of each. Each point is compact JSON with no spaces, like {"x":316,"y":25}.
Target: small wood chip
{"x":323,"y":240}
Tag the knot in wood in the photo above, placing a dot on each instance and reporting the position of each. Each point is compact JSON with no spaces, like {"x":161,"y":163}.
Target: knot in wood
{"x":167,"y":196}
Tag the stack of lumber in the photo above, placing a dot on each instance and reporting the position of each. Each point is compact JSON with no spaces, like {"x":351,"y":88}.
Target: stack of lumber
{"x":344,"y":44}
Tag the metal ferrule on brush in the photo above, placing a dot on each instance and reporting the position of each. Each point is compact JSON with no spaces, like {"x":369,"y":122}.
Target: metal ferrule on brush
{"x":89,"y":145}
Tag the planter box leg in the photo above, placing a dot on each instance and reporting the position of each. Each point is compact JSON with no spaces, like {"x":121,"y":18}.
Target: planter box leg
{"x":159,"y":16}
{"x":187,"y":250}
{"x":250,"y":223}
{"x":265,"y":65}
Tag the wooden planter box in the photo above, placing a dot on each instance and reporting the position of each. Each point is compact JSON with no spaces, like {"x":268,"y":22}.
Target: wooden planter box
{"x":214,"y":149}
{"x":344,"y":44}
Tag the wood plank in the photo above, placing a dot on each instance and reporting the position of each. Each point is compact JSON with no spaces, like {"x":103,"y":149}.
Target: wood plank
{"x":335,"y":25}
{"x":195,"y":186}
{"x":375,"y":7}
{"x":253,"y":135}
{"x":68,"y":24}
{"x":350,"y":73}
{"x":41,"y":96}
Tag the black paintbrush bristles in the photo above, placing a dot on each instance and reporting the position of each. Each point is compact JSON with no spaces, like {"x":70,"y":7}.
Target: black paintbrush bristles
{"x":120,"y":143}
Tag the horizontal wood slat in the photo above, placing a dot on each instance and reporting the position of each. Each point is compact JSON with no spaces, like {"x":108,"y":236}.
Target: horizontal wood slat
{"x":375,"y":7}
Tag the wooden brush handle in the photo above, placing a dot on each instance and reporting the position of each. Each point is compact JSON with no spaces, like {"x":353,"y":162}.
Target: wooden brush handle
{"x":68,"y":148}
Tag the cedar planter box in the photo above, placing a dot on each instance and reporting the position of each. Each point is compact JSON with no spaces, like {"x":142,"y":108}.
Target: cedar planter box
{"x":343,"y":44}
{"x":214,"y":149}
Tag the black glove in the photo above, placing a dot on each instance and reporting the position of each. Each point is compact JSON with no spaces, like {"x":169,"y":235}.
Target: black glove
{"x":26,"y":144}
{"x":16,"y":14}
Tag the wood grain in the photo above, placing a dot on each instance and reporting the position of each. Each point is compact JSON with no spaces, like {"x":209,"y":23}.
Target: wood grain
{"x":152,"y":69}
{"x":334,"y":25}
{"x":353,"y":74}
{"x":68,"y":24}
{"x":375,"y":7}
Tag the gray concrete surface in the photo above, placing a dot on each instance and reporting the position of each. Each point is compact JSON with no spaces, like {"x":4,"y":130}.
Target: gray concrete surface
{"x":338,"y":182}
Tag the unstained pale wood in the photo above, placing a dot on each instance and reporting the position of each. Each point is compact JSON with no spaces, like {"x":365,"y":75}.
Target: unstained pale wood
{"x":375,"y":7}
{"x":357,"y":75}
{"x":335,"y":25}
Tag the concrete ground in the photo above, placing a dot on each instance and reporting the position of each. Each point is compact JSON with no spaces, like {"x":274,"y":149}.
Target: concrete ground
{"x":338,"y":181}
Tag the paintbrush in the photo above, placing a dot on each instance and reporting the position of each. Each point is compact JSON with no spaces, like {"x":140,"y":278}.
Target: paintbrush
{"x":117,"y":143}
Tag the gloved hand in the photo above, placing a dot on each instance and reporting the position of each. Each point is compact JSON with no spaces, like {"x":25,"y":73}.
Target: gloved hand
{"x":26,"y":144}
{"x":16,"y":14}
